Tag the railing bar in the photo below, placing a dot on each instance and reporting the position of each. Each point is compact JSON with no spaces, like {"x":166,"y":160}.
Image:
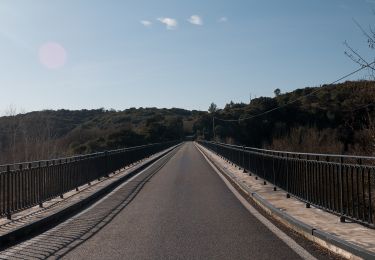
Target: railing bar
{"x":330,"y":182}
{"x":369,"y":194}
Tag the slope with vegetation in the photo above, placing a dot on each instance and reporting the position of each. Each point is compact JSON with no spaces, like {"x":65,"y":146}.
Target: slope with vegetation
{"x":328,"y":119}
{"x":50,"y":134}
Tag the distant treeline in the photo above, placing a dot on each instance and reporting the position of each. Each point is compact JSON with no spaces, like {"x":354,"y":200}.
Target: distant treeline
{"x":329,"y":119}
{"x":50,"y":134}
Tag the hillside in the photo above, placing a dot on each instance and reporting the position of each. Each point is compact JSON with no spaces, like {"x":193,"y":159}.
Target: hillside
{"x":334,"y":119}
{"x":328,"y":119}
{"x":48,"y":134}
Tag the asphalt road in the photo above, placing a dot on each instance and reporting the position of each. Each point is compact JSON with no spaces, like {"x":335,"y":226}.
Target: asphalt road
{"x":185,"y":211}
{"x":178,"y":208}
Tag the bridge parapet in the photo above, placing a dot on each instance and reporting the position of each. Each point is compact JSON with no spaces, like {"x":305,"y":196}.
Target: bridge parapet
{"x":25,"y":185}
{"x":343,"y":185}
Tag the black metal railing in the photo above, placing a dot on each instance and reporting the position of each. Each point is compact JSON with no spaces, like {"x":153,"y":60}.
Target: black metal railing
{"x":25,"y":185}
{"x":344,"y":185}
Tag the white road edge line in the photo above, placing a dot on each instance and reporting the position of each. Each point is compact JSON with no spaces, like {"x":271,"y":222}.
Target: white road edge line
{"x":280,"y":234}
{"x":22,"y":245}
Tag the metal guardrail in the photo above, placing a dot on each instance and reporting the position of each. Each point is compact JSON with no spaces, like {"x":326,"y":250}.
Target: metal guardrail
{"x":28,"y":184}
{"x":344,"y":185}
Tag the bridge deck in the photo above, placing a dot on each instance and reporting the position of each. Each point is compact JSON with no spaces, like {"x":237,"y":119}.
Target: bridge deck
{"x":177,"y":209}
{"x":178,"y":215}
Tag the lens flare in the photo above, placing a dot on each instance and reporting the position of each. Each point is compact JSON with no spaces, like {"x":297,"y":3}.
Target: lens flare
{"x":52,"y":55}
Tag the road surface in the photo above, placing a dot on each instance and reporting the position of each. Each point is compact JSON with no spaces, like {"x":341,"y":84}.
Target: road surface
{"x":183,"y":211}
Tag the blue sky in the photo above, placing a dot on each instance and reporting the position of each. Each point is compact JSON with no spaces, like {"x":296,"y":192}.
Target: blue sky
{"x":168,"y":53}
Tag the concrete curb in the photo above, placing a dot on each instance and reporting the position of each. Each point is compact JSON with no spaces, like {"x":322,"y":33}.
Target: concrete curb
{"x":20,"y":234}
{"x":324,"y":239}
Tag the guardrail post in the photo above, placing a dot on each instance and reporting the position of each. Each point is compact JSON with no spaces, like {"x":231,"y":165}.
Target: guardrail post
{"x":256,"y":167}
{"x":76,"y":171}
{"x":287,"y":177}
{"x":274,"y":174}
{"x":9,"y":216}
{"x":18,"y":189}
{"x":249,"y":160}
{"x":306,"y":182}
{"x":369,"y":198}
{"x":106,"y":164}
{"x":342,"y":217}
{"x":231,"y":157}
{"x":239,"y":159}
{"x":264,"y":172}
{"x":29,"y":166}
{"x":40,"y":184}
{"x":99,"y":177}
{"x":243,"y":159}
{"x":46,"y":177}
{"x":62,"y":178}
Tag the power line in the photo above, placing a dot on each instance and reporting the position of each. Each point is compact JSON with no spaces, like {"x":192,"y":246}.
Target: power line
{"x":295,"y":100}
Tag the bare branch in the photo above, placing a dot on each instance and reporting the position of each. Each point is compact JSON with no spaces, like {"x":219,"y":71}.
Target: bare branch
{"x":363,"y":31}
{"x":364,"y":63}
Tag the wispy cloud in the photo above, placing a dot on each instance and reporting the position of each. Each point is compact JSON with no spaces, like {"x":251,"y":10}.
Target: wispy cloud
{"x":223,"y":19}
{"x":170,"y":23}
{"x":146,"y":23}
{"x":196,"y":20}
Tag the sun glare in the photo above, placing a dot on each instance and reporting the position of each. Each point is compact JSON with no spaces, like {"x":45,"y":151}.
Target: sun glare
{"x":52,"y":55}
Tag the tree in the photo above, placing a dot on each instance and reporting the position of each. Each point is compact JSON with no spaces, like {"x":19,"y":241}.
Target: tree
{"x":277,"y":92}
{"x":212,"y":108}
{"x":356,"y":57}
{"x":11,"y":113}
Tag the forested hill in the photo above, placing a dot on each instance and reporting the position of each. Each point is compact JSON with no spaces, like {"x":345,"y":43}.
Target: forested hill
{"x":333,"y":119}
{"x":48,"y":134}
